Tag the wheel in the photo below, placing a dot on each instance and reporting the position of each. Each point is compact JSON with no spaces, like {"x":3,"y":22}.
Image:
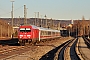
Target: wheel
{"x":22,"y":43}
{"x":29,"y":41}
{"x":26,"y":41}
{"x":33,"y":41}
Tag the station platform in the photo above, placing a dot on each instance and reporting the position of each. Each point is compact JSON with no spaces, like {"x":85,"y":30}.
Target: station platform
{"x":84,"y":50}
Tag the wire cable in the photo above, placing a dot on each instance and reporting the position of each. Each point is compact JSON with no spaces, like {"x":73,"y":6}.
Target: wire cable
{"x":10,"y":12}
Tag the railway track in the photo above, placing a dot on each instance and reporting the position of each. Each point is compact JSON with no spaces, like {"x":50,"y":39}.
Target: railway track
{"x":6,"y":51}
{"x":83,"y":53}
{"x":61,"y":53}
{"x":73,"y":53}
{"x":87,"y":41}
{"x":12,"y":51}
{"x":69,"y":50}
{"x":66,"y":51}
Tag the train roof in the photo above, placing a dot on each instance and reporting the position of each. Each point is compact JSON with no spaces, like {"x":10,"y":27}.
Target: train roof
{"x":44,"y":29}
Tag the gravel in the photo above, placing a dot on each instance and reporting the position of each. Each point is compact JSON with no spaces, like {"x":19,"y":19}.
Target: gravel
{"x":36,"y":52}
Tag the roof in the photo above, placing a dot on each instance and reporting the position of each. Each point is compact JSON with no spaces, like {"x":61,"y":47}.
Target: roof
{"x":44,"y":29}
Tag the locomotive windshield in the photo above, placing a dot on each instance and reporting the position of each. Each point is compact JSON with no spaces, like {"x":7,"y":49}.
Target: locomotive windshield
{"x":25,"y":30}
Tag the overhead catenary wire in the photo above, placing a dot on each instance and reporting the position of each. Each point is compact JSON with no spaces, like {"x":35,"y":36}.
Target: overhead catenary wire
{"x":10,"y":11}
{"x":3,"y":10}
{"x":18,"y":8}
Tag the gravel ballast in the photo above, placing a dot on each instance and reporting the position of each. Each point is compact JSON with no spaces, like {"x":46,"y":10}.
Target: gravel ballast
{"x":36,"y":52}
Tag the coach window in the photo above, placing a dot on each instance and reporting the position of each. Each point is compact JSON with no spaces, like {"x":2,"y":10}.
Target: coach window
{"x":49,"y":32}
{"x":53,"y":33}
{"x":45,"y":32}
{"x":42,"y":32}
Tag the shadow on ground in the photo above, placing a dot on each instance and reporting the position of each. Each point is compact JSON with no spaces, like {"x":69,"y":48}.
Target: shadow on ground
{"x":10,"y":42}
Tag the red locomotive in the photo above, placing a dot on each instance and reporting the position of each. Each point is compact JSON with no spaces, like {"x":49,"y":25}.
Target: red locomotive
{"x":33,"y":34}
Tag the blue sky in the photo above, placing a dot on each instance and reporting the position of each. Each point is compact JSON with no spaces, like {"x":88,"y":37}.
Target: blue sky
{"x":56,"y":9}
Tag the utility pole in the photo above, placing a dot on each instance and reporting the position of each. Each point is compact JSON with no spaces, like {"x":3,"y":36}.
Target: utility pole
{"x":19,"y":21}
{"x":72,"y":21}
{"x":12,"y":12}
{"x":25,"y":20}
{"x":59,"y":26}
{"x":53,"y":24}
{"x":8,"y":29}
{"x":41,"y":20}
{"x":12,"y":16}
{"x":76,"y":30}
{"x":84,"y":30}
{"x":88,"y":30}
{"x":38,"y":18}
{"x":35,"y":18}
{"x":1,"y":30}
{"x":46,"y":20}
{"x":38,"y":15}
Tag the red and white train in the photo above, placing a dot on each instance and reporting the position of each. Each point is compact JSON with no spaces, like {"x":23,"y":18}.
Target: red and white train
{"x":33,"y":33}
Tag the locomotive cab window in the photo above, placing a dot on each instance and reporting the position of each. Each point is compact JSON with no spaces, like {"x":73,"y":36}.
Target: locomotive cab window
{"x":25,"y":30}
{"x":22,"y":29}
{"x":28,"y":30}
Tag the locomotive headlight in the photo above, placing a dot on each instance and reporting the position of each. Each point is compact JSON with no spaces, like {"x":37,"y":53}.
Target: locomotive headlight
{"x":28,"y":35}
{"x":21,"y":35}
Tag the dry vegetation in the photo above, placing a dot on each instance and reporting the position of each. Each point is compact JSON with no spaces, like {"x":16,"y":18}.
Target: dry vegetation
{"x":5,"y":29}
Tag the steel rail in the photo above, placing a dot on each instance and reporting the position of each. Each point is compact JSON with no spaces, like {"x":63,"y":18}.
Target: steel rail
{"x":73,"y":54}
